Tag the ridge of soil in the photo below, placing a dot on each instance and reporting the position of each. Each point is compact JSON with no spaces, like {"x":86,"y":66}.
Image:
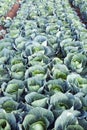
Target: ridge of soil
{"x":77,"y":10}
{"x":11,"y":14}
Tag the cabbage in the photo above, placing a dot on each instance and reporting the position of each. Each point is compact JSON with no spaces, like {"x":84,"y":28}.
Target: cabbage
{"x":43,"y":59}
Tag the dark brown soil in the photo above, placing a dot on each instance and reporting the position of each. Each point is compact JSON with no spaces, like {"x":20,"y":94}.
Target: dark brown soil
{"x":11,"y":14}
{"x":78,"y":13}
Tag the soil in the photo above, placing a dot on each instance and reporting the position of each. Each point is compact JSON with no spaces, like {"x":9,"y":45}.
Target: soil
{"x":78,"y":13}
{"x":11,"y":14}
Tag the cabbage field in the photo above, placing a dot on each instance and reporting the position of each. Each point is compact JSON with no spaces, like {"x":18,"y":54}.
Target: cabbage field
{"x":43,"y":65}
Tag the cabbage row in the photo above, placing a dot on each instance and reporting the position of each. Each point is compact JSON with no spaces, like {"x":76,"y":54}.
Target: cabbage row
{"x":81,"y":4}
{"x":43,"y":81}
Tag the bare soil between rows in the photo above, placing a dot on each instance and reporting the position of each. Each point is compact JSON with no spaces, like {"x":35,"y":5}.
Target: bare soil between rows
{"x":11,"y":14}
{"x":77,"y":10}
